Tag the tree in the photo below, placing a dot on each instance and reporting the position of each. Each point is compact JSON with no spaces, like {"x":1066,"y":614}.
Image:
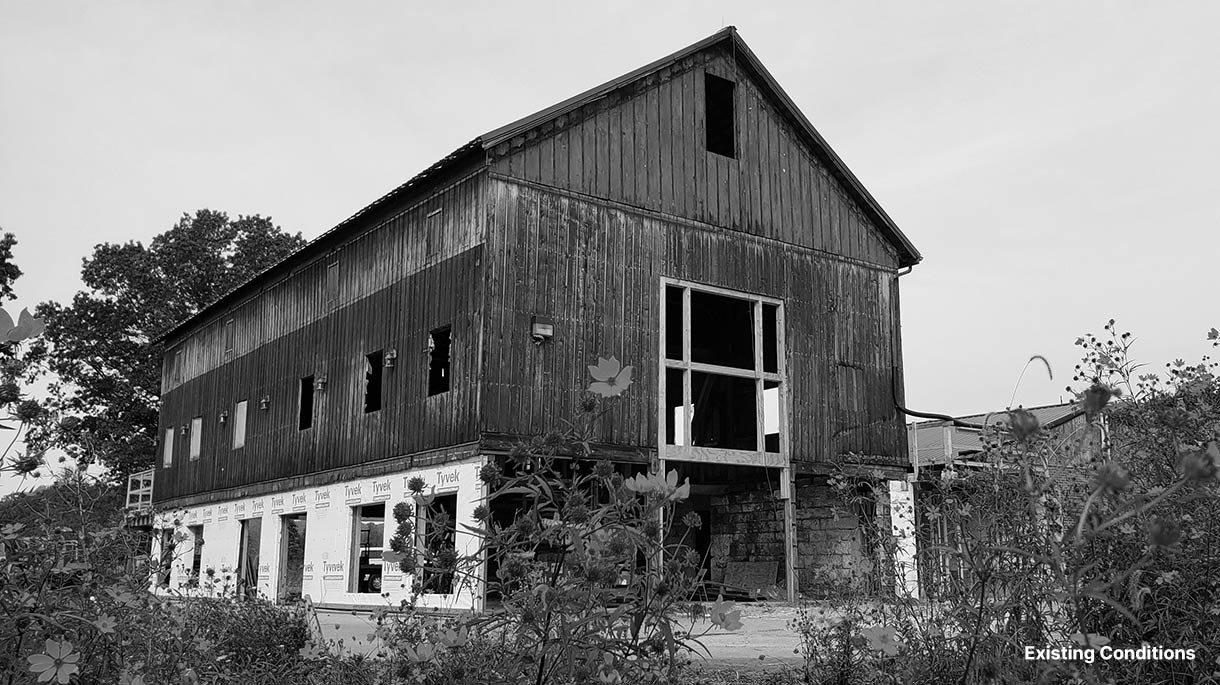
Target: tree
{"x":98,"y":351}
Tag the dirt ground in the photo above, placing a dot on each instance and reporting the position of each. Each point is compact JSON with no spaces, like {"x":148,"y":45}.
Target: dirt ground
{"x":764,"y":642}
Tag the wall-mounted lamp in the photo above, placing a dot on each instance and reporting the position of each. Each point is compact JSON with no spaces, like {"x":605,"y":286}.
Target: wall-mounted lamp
{"x":186,"y":428}
{"x":541,"y":329}
{"x":224,"y":417}
{"x":390,"y":355}
{"x":265,"y":403}
{"x":320,"y":384}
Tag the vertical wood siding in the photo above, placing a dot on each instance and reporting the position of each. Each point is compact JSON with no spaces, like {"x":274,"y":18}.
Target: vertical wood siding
{"x":391,"y":288}
{"x":595,"y":271}
{"x":645,"y":146}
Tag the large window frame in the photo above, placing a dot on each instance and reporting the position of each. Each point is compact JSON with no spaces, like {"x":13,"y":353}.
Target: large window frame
{"x":759,"y":456}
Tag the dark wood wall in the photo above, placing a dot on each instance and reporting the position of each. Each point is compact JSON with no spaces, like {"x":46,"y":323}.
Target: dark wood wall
{"x":645,"y":146}
{"x":386,"y":287}
{"x":595,"y":270}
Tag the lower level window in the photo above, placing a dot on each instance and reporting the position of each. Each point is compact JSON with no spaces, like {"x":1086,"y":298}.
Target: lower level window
{"x":439,"y":549}
{"x":368,"y":537}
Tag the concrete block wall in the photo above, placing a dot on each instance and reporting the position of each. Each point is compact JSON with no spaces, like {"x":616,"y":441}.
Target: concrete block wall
{"x":747,"y":525}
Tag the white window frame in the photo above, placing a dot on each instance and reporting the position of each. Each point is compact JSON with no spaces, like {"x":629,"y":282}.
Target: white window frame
{"x":758,"y":456}
{"x":196,"y":438}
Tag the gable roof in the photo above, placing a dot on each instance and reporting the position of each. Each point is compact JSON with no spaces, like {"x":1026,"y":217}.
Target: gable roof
{"x":907,"y":254}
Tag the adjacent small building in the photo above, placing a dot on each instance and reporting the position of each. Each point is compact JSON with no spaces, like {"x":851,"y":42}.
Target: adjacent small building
{"x":685,"y":219}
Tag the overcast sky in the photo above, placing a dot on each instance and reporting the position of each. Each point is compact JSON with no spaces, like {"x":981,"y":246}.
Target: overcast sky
{"x":1054,"y":162}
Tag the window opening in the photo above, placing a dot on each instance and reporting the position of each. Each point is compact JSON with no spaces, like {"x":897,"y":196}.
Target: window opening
{"x":368,"y":536}
{"x":196,"y":437}
{"x":373,"y":363}
{"x":167,"y":557}
{"x":167,"y":454}
{"x":718,"y":106}
{"x":722,"y":330}
{"x":247,"y":558}
{"x":305,"y":418}
{"x":239,"y":424}
{"x":439,"y":544}
{"x":723,"y":376}
{"x":438,"y":364}
{"x":196,"y":554}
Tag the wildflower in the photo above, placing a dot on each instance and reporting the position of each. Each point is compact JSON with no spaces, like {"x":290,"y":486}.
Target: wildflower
{"x":652,"y":528}
{"x":588,"y":405}
{"x":1112,"y":478}
{"x":57,"y":661}
{"x":1023,"y":424}
{"x":526,"y":526}
{"x":105,"y":624}
{"x":9,"y":393}
{"x":692,"y":520}
{"x":28,"y":410}
{"x":577,"y":513}
{"x":482,"y":512}
{"x":610,"y":378}
{"x":1095,"y":399}
{"x":882,"y":639}
{"x":416,"y":484}
{"x":603,"y":468}
{"x":490,"y":474}
{"x":1162,"y":533}
{"x":1201,"y":464}
{"x":403,"y":512}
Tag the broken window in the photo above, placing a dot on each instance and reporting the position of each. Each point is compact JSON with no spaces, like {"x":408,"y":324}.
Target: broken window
{"x":438,"y":361}
{"x":368,"y":538}
{"x":723,"y":379}
{"x":718,"y":106}
{"x":305,"y":405}
{"x":372,"y":381}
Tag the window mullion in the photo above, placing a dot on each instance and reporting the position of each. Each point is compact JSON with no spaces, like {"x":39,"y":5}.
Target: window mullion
{"x":760,"y":436}
{"x":687,"y":410}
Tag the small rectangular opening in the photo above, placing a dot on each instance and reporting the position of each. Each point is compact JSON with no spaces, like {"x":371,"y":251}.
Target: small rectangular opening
{"x":724,"y":412}
{"x":368,"y":538}
{"x":438,"y":364}
{"x":722,"y":330}
{"x":676,"y":428}
{"x":230,"y":325}
{"x":673,"y":322}
{"x":167,"y":557}
{"x":167,"y":454}
{"x":373,"y":363}
{"x":305,"y":418}
{"x":770,"y":338}
{"x":196,"y":437}
{"x":249,"y":541}
{"x":196,"y":552}
{"x":439,"y":546}
{"x":239,"y":424}
{"x":771,"y":416}
{"x":718,"y":106}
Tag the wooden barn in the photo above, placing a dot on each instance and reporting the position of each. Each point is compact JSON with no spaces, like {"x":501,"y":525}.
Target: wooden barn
{"x":685,"y":219}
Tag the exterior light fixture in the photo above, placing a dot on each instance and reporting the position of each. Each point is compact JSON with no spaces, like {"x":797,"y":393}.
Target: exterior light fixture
{"x":541,"y":329}
{"x":186,"y":428}
{"x":390,"y":355}
{"x":265,"y":403}
{"x":224,"y":417}
{"x":320,"y":384}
